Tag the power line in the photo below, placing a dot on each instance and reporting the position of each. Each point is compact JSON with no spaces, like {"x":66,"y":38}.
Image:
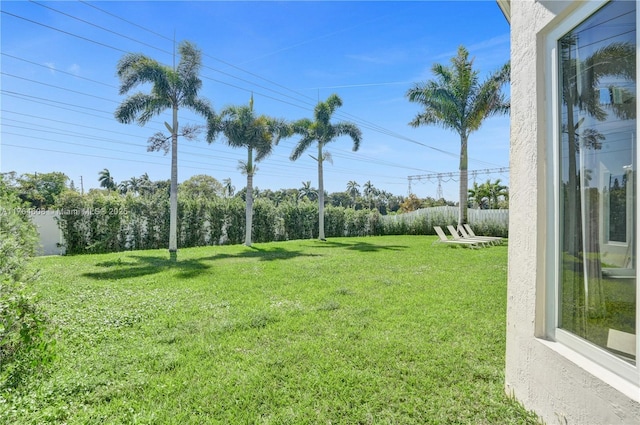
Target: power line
{"x":98,"y":26}
{"x":301,"y":103}
{"x":57,"y":87}
{"x":63,"y":31}
{"x":364,"y":123}
{"x":452,"y":176}
{"x":58,"y":70}
{"x":124,"y":20}
{"x":93,"y":137}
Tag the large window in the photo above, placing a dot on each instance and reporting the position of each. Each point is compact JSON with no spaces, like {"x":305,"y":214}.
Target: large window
{"x":596,"y":254}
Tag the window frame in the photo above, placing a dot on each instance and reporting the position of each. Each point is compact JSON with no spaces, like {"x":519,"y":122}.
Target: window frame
{"x":595,"y":359}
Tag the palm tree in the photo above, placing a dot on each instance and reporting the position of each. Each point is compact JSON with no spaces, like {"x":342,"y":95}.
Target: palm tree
{"x":478,"y":195}
{"x":106,"y":180}
{"x":352,"y":190}
{"x":123,"y":187}
{"x":145,"y":185}
{"x":306,"y":191}
{"x":369,"y":192}
{"x":229,"y":189}
{"x":457,"y":100}
{"x":496,"y":190}
{"x":132,"y":185}
{"x":322,"y":131}
{"x":258,"y":134}
{"x":172,"y":87}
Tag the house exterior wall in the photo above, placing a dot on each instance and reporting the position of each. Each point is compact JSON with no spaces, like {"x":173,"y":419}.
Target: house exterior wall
{"x":560,"y":385}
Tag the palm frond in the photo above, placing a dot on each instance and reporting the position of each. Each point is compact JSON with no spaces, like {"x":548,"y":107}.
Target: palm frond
{"x":200,"y":106}
{"x":246,"y":168}
{"x":302,"y":145}
{"x":134,"y":105}
{"x":264,"y":148}
{"x":214,"y":127}
{"x":156,"y":106}
{"x":134,"y":69}
{"x":301,"y":126}
{"x":326,"y":156}
{"x":351,"y":130}
{"x":333,"y":102}
{"x":190,"y":60}
{"x":280,"y":128}
{"x":191,"y":131}
{"x":159,"y":142}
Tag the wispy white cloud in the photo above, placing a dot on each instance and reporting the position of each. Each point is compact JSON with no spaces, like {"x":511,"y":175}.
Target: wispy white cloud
{"x":74,"y":69}
{"x":487,"y":54}
{"x":389,"y":57}
{"x":358,"y":85}
{"x":501,"y":40}
{"x":51,"y":66}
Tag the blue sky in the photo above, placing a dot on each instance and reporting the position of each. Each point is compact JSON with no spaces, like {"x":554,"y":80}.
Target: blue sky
{"x":59,"y":86}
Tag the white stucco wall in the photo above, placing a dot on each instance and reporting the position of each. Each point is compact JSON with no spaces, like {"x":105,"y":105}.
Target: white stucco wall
{"x":556,"y":383}
{"x":50,"y":235}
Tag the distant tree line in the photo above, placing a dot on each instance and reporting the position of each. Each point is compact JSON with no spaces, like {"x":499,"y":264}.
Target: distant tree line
{"x":42,"y":190}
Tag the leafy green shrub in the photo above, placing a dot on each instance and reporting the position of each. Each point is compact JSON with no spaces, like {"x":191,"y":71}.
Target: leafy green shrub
{"x":215,"y":216}
{"x":264,"y":221}
{"x":334,"y":221}
{"x":105,"y":216}
{"x":72,"y":222}
{"x":375,"y":227}
{"x":300,"y":219}
{"x":192,"y":214}
{"x":235,"y":221}
{"x":489,"y":228}
{"x":356,"y":222}
{"x":24,"y":345}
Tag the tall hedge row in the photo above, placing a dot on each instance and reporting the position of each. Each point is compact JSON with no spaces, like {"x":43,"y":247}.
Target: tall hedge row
{"x":103,"y":223}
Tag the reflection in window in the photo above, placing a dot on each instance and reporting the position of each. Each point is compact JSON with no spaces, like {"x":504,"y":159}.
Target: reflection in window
{"x":617,"y":209}
{"x":598,"y":175}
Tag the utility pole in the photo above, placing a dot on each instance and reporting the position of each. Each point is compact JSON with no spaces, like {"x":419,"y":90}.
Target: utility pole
{"x":81,"y":186}
{"x":446,"y":177}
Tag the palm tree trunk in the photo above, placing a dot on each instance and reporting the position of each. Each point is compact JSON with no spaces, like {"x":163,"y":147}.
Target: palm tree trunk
{"x":464,"y":183}
{"x":173,"y":194}
{"x":249,"y":196}
{"x":320,"y":195}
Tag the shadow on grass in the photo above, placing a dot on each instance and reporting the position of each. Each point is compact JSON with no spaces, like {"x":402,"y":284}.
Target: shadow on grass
{"x":271,"y":254}
{"x":144,"y":265}
{"x":362,"y":246}
{"x":136,"y":266}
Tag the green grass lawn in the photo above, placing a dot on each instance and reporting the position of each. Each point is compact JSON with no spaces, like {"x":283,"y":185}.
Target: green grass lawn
{"x":379,"y":330}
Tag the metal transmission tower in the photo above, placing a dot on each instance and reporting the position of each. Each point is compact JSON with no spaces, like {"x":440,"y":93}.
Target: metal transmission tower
{"x":452,"y":176}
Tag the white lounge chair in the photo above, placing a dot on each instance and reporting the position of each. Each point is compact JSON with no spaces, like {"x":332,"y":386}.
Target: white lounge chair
{"x":444,"y":239}
{"x":458,"y":237}
{"x":470,"y":233}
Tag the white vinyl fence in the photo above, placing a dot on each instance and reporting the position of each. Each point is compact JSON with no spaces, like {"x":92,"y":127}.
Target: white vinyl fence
{"x":446,"y":214}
